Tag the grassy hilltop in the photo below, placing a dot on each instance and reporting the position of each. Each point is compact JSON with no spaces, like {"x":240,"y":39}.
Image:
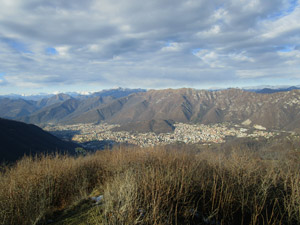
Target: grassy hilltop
{"x":161,"y":185}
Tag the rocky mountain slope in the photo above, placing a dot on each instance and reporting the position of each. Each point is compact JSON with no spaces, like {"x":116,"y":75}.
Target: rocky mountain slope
{"x":53,"y":108}
{"x":275,"y":111}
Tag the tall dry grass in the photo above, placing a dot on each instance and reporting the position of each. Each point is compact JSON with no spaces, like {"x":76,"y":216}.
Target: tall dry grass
{"x":36,"y":186}
{"x":161,"y":185}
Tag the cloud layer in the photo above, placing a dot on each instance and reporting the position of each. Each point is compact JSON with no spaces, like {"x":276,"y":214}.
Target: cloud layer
{"x":71,"y":44}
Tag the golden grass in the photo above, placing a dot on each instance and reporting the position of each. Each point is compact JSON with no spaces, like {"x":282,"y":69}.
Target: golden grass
{"x":160,"y":185}
{"x":35,"y":186}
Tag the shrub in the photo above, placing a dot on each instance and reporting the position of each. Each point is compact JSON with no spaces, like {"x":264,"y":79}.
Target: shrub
{"x":161,"y":185}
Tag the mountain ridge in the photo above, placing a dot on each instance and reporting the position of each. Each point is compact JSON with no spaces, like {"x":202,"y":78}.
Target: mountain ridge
{"x":278,"y":110}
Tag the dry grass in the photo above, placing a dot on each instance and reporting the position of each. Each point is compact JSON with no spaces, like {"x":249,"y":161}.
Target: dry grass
{"x":36,"y":186}
{"x":183,"y":187}
{"x":156,"y":186}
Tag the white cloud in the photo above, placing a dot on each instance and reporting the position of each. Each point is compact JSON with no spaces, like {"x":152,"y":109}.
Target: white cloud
{"x":286,"y":25}
{"x":63,"y":50}
{"x":211,"y":58}
{"x":291,"y":58}
{"x":213,"y":31}
{"x":220,"y":14}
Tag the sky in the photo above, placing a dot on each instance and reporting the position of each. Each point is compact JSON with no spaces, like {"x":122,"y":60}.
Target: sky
{"x":75,"y":45}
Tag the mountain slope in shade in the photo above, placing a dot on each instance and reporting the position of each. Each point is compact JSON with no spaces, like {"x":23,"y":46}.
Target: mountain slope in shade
{"x":52,"y":113}
{"x":18,"y":139}
{"x":66,"y":110}
{"x":12,"y":108}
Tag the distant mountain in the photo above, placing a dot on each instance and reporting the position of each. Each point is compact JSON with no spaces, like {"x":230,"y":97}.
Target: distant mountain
{"x":20,"y":107}
{"x":117,"y":92}
{"x":35,"y":97}
{"x":275,"y":111}
{"x":272,"y":89}
{"x":18,"y":139}
{"x":53,"y":113}
{"x":263,"y":89}
{"x":53,"y":100}
{"x":13,"y":108}
{"x":145,"y":110}
{"x":65,"y":111}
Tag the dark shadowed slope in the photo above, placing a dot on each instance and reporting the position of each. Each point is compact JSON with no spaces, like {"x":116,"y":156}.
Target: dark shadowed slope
{"x":12,"y":108}
{"x":66,"y":110}
{"x":18,"y":139}
{"x":52,"y":113}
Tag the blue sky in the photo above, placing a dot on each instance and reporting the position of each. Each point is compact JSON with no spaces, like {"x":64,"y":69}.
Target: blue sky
{"x":74,"y":45}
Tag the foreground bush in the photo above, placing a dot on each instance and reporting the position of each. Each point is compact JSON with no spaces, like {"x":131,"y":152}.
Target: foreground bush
{"x":181,"y":187}
{"x":34,"y":187}
{"x":160,"y":185}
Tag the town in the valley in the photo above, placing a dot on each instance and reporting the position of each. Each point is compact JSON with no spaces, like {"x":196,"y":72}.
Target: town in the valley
{"x":90,"y":134}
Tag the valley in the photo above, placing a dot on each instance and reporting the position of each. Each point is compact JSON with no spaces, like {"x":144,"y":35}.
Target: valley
{"x":159,"y":117}
{"x":89,"y":134}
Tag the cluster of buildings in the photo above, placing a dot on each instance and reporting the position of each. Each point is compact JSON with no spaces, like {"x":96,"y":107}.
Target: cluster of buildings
{"x":184,"y":133}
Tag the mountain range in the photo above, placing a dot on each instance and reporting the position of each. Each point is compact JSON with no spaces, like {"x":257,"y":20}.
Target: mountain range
{"x":157,"y":110}
{"x":114,"y":92}
{"x":121,"y":92}
{"x":271,"y":90}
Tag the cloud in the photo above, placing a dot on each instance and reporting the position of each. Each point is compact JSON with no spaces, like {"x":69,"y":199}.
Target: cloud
{"x":147,"y":44}
{"x":171,"y":47}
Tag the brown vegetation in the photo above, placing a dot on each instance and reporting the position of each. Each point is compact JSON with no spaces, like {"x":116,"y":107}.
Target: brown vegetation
{"x":162,"y":185}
